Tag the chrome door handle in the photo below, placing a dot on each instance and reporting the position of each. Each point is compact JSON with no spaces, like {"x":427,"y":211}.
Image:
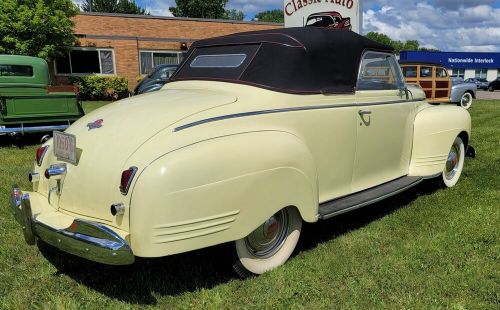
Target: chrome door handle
{"x":364,"y":112}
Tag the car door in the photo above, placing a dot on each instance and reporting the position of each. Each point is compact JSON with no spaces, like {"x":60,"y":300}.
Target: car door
{"x":384,"y":123}
{"x":426,"y":81}
{"x":442,"y":87}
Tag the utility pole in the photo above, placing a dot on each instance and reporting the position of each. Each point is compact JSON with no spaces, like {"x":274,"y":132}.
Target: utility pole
{"x":90,"y":6}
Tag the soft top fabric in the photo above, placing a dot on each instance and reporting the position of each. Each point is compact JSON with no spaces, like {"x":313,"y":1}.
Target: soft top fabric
{"x":305,"y":60}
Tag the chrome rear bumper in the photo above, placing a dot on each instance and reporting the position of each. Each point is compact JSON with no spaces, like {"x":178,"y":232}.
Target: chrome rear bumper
{"x":22,"y":129}
{"x":89,"y":240}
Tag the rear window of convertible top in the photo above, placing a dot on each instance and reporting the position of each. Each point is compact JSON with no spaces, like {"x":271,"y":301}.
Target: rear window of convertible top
{"x":218,"y":62}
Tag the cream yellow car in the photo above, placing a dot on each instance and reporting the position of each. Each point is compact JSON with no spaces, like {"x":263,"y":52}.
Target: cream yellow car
{"x":255,"y":134}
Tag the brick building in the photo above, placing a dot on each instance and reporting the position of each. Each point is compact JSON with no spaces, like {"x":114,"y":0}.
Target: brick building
{"x":131,"y":45}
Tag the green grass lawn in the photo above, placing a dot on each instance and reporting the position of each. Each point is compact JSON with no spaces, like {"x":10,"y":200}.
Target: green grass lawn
{"x":89,"y":106}
{"x":423,"y":249}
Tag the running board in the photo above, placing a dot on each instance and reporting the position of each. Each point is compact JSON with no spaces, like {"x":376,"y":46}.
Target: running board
{"x":341,"y":205}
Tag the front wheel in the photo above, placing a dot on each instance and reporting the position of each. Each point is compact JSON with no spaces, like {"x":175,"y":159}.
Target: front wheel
{"x":454,"y":163}
{"x":490,"y":88}
{"x":466,"y":101}
{"x":270,"y":245}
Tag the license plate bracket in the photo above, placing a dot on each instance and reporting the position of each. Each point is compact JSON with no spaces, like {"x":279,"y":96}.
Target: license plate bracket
{"x":65,"y":147}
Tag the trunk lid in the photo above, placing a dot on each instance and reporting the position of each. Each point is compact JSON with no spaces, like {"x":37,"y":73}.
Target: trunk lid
{"x":90,"y":187}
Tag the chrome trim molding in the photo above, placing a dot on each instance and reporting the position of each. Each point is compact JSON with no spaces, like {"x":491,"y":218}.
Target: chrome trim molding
{"x":89,"y":240}
{"x":372,"y":201}
{"x":32,"y":129}
{"x":284,"y":110}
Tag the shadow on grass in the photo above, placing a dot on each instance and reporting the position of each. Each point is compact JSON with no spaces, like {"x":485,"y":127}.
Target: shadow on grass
{"x":21,"y":142}
{"x":206,"y":268}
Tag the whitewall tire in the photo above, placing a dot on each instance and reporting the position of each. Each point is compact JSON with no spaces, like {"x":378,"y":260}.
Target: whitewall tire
{"x":454,"y":163}
{"x":466,"y":101}
{"x":270,"y":245}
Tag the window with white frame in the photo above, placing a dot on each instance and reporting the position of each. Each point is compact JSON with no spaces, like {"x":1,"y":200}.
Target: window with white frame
{"x":458,"y":73}
{"x":150,"y":59}
{"x":481,"y":73}
{"x":82,"y":61}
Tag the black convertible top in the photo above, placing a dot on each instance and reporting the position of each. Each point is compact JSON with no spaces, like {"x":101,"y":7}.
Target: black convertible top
{"x":296,"y":60}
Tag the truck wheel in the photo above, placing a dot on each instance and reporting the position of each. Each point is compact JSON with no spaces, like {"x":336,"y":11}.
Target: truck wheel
{"x":466,"y":101}
{"x":270,"y":245}
{"x":454,"y":163}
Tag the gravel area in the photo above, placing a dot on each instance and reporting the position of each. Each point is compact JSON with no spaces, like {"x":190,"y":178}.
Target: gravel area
{"x":486,"y":95}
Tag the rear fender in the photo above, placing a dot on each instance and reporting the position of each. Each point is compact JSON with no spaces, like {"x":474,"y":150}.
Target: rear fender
{"x":435,"y":129}
{"x":220,"y":190}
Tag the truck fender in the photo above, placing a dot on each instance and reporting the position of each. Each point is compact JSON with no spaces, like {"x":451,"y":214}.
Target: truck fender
{"x":220,"y":190}
{"x":435,"y":129}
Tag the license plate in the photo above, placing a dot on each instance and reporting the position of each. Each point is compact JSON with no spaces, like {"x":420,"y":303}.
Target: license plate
{"x":65,"y":147}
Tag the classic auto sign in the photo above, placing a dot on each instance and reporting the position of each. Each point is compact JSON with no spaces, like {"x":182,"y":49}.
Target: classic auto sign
{"x":340,"y":14}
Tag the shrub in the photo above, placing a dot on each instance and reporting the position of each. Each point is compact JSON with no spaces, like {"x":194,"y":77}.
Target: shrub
{"x":94,"y":87}
{"x":139,"y":78}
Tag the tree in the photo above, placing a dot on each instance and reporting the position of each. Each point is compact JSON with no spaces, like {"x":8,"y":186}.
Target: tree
{"x":274,"y":16}
{"x":398,"y":46}
{"x":113,"y":6}
{"x":380,"y":38}
{"x":411,"y":45}
{"x":41,"y":28}
{"x":214,"y":9}
{"x":233,"y":15}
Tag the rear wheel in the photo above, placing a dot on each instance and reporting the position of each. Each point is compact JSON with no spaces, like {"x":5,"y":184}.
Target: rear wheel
{"x":466,"y":100}
{"x":454,"y":163}
{"x":270,"y":245}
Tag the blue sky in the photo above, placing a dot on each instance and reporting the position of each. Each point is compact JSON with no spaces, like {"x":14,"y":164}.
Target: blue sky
{"x":449,"y":25}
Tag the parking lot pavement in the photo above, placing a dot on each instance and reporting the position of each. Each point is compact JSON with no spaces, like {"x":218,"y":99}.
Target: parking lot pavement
{"x":486,"y":95}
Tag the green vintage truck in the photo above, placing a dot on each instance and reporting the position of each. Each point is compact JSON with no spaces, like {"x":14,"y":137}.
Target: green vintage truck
{"x":28,"y":103}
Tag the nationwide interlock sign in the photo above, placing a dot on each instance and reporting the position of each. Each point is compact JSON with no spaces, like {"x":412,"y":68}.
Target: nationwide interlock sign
{"x":339,"y":14}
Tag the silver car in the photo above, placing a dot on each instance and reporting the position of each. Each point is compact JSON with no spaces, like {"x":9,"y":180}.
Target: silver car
{"x":480,"y":83}
{"x":462,"y":93}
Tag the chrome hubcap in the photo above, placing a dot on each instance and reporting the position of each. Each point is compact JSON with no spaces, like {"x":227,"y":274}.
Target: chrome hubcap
{"x":269,"y":237}
{"x":466,"y":100}
{"x":452,"y":162}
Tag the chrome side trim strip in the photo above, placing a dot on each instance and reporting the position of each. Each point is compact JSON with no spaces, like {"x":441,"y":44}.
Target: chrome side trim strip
{"x":33,"y":129}
{"x":284,"y":110}
{"x":354,"y":207}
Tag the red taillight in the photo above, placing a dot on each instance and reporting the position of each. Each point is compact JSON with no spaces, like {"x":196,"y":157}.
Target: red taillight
{"x":126,"y":180}
{"x":40,"y":153}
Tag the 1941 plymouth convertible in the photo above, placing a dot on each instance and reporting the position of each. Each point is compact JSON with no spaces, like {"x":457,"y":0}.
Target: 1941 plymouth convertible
{"x":255,"y":133}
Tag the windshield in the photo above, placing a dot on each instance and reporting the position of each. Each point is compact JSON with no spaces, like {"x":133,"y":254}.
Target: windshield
{"x":162,"y":73}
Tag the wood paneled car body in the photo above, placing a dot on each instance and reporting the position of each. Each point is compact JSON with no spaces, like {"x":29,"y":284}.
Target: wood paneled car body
{"x":254,"y":134}
{"x":437,"y":84}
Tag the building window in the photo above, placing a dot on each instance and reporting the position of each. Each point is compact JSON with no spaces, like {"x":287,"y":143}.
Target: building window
{"x":458,"y":73}
{"x":481,"y":73}
{"x":151,"y":59}
{"x":83,"y":61}
{"x":16,"y":70}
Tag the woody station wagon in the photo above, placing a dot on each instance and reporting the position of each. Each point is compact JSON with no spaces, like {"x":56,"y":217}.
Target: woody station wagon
{"x":254,"y":134}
